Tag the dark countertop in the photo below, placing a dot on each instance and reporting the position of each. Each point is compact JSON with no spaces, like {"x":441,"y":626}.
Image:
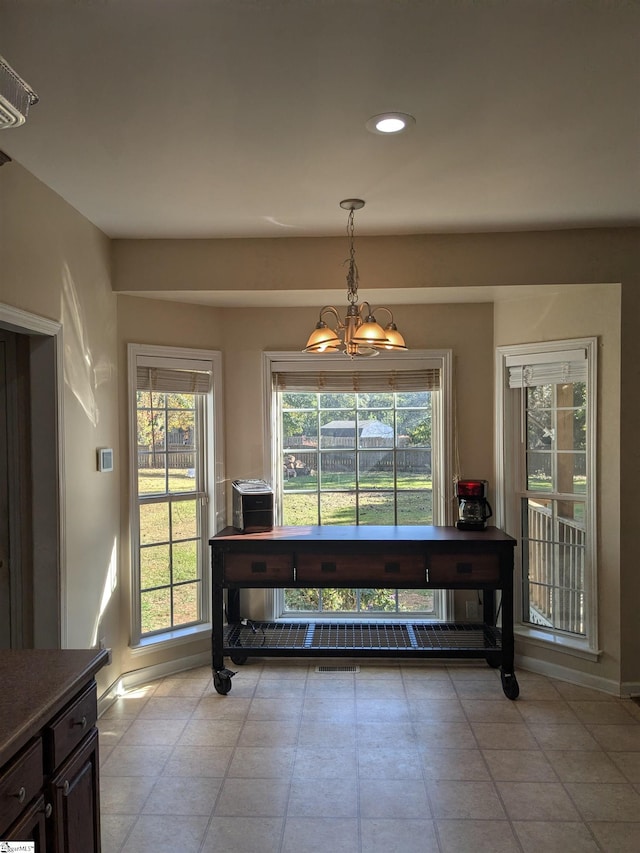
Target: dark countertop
{"x":35,"y":684}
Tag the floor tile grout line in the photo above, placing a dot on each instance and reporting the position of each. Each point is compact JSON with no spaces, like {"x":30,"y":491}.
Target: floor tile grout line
{"x":283,"y":828}
{"x":544,"y":751}
{"x":425,"y":779}
{"x":136,"y":718}
{"x":493,"y":781}
{"x":212,"y":814}
{"x":159,"y":775}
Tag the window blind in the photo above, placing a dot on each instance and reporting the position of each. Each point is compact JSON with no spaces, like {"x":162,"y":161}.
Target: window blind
{"x":171,"y":380}
{"x":381,"y":381}
{"x":547,"y":368}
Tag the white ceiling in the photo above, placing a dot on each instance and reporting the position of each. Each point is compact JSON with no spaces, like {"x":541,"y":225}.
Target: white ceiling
{"x":225,"y":118}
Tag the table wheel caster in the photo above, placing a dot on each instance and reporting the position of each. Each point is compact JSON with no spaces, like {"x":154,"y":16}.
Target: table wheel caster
{"x":510,"y":685}
{"x":222,"y":680}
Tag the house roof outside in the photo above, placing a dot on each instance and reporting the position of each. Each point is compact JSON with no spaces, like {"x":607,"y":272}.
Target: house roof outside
{"x":366,"y":429}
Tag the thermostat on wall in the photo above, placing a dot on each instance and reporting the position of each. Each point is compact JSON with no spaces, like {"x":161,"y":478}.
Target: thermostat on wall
{"x":105,"y":459}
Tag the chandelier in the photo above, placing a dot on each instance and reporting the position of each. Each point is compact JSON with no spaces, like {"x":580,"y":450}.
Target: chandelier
{"x":359,"y":334}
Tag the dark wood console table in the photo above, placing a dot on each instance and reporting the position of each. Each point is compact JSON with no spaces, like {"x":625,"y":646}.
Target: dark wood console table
{"x":409,"y":557}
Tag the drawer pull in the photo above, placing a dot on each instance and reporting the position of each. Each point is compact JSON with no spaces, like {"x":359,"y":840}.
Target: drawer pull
{"x":65,"y":788}
{"x":48,"y":810}
{"x":256,"y":567}
{"x":328,"y":567}
{"x":82,"y":723}
{"x":391,"y":568}
{"x":464,"y":568}
{"x":21,"y":795}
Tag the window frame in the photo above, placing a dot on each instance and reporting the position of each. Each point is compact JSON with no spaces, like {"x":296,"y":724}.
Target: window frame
{"x":510,"y":481}
{"x":442,"y":449}
{"x":213,"y":485}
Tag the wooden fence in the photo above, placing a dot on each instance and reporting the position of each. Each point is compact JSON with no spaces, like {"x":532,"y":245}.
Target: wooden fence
{"x":175,"y":456}
{"x":342,"y":462}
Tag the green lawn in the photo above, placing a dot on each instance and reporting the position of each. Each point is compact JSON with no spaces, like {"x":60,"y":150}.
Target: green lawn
{"x":545,"y":484}
{"x":300,"y":508}
{"x":157,"y":520}
{"x":367,"y":480}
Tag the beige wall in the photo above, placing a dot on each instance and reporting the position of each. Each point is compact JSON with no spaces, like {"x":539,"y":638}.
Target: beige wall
{"x":585,"y":312}
{"x":582,"y":256}
{"x":56,"y":265}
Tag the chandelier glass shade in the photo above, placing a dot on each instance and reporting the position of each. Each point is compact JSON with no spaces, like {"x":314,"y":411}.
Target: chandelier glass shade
{"x":359,"y":333}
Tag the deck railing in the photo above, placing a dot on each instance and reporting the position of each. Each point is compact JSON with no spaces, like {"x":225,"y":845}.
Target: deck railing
{"x":555,"y":565}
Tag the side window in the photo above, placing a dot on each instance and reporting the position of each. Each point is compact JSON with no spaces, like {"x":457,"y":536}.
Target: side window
{"x":172,"y":402}
{"x":549,"y":397}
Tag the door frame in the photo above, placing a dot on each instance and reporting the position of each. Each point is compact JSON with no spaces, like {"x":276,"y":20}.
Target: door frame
{"x":47,"y":504}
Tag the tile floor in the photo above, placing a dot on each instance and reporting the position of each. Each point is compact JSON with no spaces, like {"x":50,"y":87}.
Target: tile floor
{"x":393,"y":759}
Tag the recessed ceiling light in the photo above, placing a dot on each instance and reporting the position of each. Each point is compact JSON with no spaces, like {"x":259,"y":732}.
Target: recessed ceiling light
{"x":387,"y":123}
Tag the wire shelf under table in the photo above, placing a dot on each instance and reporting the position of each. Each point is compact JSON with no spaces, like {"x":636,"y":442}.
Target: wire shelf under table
{"x":383,"y":638}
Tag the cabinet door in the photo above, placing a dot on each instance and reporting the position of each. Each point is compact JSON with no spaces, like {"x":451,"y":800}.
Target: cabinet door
{"x":32,"y":826}
{"x":20,"y":781}
{"x":75,"y":822}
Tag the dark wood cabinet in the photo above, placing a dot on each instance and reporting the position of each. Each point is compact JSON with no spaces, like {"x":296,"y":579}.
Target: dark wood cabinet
{"x":32,"y":825}
{"x":49,"y":767}
{"x":75,"y":818}
{"x":405,"y":557}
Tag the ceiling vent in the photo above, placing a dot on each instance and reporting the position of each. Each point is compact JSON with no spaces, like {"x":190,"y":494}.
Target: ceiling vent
{"x":15,"y":97}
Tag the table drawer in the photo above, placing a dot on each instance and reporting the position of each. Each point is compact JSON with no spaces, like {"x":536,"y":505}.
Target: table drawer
{"x":384,"y":570}
{"x":66,"y":731}
{"x":464,"y":568}
{"x":258,"y":568}
{"x":20,"y":781}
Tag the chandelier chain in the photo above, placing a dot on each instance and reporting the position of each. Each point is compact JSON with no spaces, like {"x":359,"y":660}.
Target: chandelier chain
{"x":352,"y":275}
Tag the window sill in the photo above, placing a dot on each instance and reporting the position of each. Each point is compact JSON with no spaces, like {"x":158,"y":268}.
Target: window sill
{"x":548,"y":640}
{"x":169,"y":639}
{"x":347,"y":618}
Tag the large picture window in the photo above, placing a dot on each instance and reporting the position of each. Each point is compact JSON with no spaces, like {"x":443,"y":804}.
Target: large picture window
{"x":173,"y":448}
{"x":550,"y":401}
{"x":359,"y":446}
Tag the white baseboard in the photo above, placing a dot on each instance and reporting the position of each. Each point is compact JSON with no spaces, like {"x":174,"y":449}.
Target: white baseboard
{"x":138,"y":677}
{"x":132,"y":680}
{"x":582,"y":679}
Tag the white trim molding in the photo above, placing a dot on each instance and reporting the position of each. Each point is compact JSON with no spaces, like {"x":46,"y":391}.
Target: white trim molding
{"x":442,"y":450}
{"x":215,"y":479}
{"x":509,"y":425}
{"x":572,"y":676}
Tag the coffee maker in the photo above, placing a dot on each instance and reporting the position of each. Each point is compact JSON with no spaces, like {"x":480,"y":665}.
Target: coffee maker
{"x":473,"y":507}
